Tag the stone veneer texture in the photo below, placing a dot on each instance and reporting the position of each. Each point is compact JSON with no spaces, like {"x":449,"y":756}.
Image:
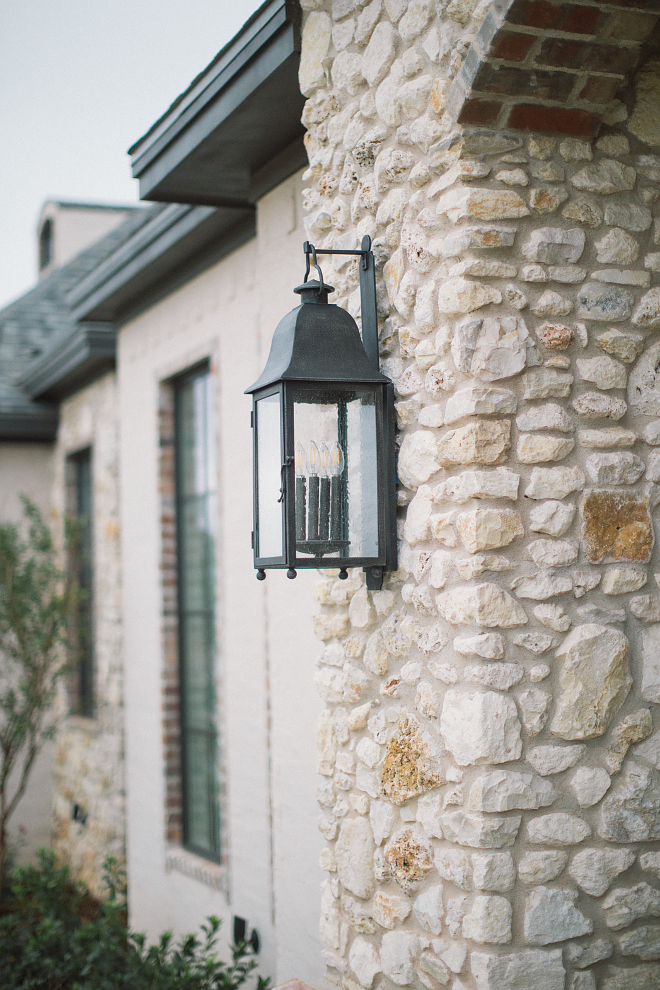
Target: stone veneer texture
{"x":491,"y":743}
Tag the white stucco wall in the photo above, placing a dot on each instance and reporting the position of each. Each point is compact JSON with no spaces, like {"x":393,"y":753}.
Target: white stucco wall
{"x":27,"y":468}
{"x":266,"y":651}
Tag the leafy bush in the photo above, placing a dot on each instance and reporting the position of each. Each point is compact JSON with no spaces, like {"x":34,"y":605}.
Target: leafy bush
{"x":55,"y":936}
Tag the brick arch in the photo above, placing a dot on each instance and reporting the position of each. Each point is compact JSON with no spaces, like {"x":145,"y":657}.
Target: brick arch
{"x":551,"y":67}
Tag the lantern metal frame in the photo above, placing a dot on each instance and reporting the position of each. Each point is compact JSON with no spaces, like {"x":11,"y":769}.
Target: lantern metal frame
{"x":304,"y":376}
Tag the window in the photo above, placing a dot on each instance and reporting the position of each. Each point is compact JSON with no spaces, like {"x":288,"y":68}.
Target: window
{"x":81,"y":569}
{"x":45,"y":244}
{"x":195,"y":475}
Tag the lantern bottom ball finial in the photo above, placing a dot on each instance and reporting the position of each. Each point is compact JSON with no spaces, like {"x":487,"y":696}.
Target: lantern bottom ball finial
{"x":261,"y":574}
{"x":291,"y":573}
{"x":343,"y":574}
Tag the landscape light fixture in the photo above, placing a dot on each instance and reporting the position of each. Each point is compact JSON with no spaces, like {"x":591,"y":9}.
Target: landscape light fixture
{"x":323,"y":437}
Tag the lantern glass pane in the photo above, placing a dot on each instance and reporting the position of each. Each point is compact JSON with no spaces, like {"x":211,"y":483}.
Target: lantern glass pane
{"x":269,"y":477}
{"x":336,"y":459}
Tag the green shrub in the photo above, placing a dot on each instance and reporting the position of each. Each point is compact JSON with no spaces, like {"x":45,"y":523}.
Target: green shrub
{"x":55,"y":936}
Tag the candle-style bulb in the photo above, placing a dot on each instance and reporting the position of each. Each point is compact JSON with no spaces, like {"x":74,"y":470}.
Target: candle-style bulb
{"x":313,"y":459}
{"x":336,"y":459}
{"x":300,"y":461}
{"x":324,"y":461}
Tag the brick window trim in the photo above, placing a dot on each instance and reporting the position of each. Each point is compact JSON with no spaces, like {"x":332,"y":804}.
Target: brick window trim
{"x":170,"y":711}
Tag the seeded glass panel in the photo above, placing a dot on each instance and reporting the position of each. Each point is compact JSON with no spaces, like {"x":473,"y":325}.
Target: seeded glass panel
{"x":336,"y":475}
{"x":269,"y":478}
{"x":195,"y":494}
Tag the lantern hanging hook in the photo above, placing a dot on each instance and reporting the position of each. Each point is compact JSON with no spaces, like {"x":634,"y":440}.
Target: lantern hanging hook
{"x":310,"y":249}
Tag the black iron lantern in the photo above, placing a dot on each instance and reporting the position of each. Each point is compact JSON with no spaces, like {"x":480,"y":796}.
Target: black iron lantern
{"x":323,"y":434}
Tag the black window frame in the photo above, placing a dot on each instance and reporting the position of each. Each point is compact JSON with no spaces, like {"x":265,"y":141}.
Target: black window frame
{"x":80,"y":485}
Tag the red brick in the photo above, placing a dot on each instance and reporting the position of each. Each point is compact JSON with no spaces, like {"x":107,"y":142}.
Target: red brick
{"x":631,"y":26}
{"x":599,"y":89}
{"x":535,"y":13}
{"x":553,"y":120}
{"x":483,"y":112}
{"x":562,"y":53}
{"x":512,"y":46}
{"x":581,"y":20}
{"x":509,"y":81}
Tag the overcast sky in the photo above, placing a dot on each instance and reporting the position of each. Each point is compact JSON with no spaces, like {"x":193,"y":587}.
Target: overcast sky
{"x":80,"y":81}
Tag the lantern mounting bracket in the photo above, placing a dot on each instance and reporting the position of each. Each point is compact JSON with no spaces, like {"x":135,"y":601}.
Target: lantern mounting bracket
{"x":368,"y":307}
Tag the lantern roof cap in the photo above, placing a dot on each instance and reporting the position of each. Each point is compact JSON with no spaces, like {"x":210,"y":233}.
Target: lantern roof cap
{"x":317,"y":343}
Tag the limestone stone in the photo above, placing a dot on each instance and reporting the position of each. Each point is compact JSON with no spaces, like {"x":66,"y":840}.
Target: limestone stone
{"x":617,"y":526}
{"x":537,"y":643}
{"x":553,"y":553}
{"x":461,"y":203}
{"x":354,"y":851}
{"x":415,"y":19}
{"x":397,"y":955}
{"x":477,"y":400}
{"x":540,"y":867}
{"x":548,"y":416}
{"x":533,"y":273}
{"x":479,"y":237}
{"x":548,"y":760}
{"x":479,"y":442}
{"x":651,"y":433}
{"x":471,"y":567}
{"x":613,"y":436}
{"x":441,"y":377}
{"x":434,"y":966}
{"x":546,"y":199}
{"x":369,"y":752}
{"x":626,"y":904}
{"x":493,"y":871}
{"x":576,"y":149}
{"x":553,"y":336}
{"x":619,"y":276}
{"x":536,"y":968}
{"x":646,"y":976}
{"x":534,"y":708}
{"x":346,"y":72}
{"x":411,"y":765}
{"x":537,"y":448}
{"x":539,"y":672}
{"x":643,"y":942}
{"x":646,"y":608}
{"x":454,"y":865}
{"x":552,"y":915}
{"x":554,"y":483}
{"x":441,"y":562}
{"x":647,"y":313}
{"x":453,"y":954}
{"x":480,"y":727}
{"x":428,"y":909}
{"x":622,"y":579}
{"x":486,"y":529}
{"x":594,"y":679}
{"x":560,"y":827}
{"x":605,"y":178}
{"x":455,"y":913}
{"x":544,"y":585}
{"x":650,"y":861}
{"x":589,"y":784}
{"x":483,"y":604}
{"x":442,"y":528}
{"x":501,"y":676}
{"x":382,"y":817}
{"x":480,"y":831}
{"x":364,"y":961}
{"x":595,"y":405}
{"x":417,"y":525}
{"x":604,"y":372}
{"x":617,"y":247}
{"x":552,"y":517}
{"x":489,"y":920}
{"x":629,"y":216}
{"x":551,"y":303}
{"x":315,"y":44}
{"x":506,"y":790}
{"x":651,"y":663}
{"x":514,"y":296}
{"x":389,"y":909}
{"x":554,"y":245}
{"x":644,"y":383}
{"x":600,"y":302}
{"x":630,"y":813}
{"x":418,"y":458}
{"x":624,"y":346}
{"x":490,"y":349}
{"x":615,"y":469}
{"x":552,"y":616}
{"x":512,"y":177}
{"x":500,"y":483}
{"x":483,"y":268}
{"x":567,"y":273}
{"x":583,"y":209}
{"x":490,"y":646}
{"x":547,"y":384}
{"x":594,"y":869}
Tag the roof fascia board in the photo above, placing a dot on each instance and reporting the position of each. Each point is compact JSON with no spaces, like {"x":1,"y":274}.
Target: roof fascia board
{"x":265,"y":22}
{"x":190,"y":135}
{"x":38,"y":425}
{"x":80,"y":357}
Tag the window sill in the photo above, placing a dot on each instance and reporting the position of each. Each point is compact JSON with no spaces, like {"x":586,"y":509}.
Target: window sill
{"x":211,"y":874}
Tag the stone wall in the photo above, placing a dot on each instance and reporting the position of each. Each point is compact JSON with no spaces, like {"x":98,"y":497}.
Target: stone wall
{"x":89,"y":757}
{"x":490,"y":746}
